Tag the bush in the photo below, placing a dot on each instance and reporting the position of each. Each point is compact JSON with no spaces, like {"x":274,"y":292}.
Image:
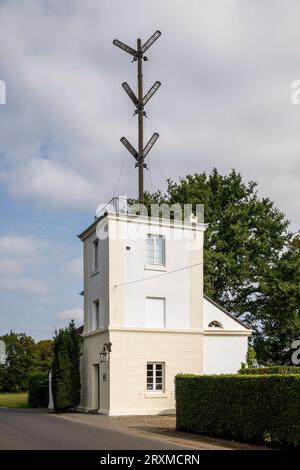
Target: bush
{"x":270,"y":370}
{"x":247,"y":408}
{"x":66,"y":369}
{"x":37,"y":389}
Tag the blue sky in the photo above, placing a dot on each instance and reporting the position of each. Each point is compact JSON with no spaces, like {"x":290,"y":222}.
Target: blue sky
{"x":226,"y":69}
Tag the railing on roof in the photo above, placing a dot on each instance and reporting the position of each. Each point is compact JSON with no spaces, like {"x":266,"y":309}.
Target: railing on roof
{"x":117,"y":205}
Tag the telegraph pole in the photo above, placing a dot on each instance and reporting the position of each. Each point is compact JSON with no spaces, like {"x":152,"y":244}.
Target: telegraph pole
{"x":141,"y":121}
{"x":139,"y":102}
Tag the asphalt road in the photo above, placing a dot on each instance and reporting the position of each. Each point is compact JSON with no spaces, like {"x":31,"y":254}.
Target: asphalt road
{"x":38,"y":430}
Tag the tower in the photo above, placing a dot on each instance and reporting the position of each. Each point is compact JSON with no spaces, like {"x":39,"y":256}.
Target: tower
{"x":144,"y":318}
{"x":140,"y":102}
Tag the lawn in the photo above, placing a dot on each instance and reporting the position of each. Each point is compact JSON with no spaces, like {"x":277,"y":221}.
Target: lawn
{"x":13,"y":400}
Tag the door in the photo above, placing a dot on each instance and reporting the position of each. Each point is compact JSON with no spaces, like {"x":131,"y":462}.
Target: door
{"x":96,"y":388}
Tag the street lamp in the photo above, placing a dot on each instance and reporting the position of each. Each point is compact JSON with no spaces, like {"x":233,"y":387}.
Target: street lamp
{"x":105,"y":351}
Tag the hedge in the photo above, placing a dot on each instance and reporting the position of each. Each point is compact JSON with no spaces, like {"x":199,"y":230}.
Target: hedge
{"x":66,"y":369}
{"x":38,"y":389}
{"x":270,"y":370}
{"x":248,"y":408}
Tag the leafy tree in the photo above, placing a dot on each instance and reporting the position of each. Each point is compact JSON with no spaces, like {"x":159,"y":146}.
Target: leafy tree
{"x":19,"y":362}
{"x":251,"y":356}
{"x":43,"y":355}
{"x":279,"y":318}
{"x":66,"y":368}
{"x":247,"y":255}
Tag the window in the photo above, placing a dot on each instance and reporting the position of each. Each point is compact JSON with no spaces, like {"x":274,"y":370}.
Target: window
{"x":96,"y":315}
{"x":155,"y":376}
{"x":215,"y":324}
{"x":155,"y":312}
{"x":95,"y":254}
{"x":155,"y":250}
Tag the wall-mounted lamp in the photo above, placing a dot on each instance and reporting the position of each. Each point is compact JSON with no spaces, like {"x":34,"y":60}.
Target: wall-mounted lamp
{"x":105,"y":351}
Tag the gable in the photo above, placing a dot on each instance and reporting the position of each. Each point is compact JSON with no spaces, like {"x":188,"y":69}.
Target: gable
{"x":212,"y":312}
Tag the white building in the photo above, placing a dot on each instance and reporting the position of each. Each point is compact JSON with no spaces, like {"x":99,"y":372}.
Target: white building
{"x":143,"y":299}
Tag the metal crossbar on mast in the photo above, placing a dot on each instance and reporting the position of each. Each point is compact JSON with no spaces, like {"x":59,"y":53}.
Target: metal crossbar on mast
{"x":140,"y":102}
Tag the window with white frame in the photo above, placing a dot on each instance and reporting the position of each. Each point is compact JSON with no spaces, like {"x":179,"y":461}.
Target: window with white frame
{"x":155,"y":250}
{"x":155,"y":376}
{"x":95,"y":254}
{"x":96,"y":315}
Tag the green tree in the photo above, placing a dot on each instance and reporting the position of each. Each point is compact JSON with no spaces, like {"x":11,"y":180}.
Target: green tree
{"x":66,"y":368}
{"x":43,"y":356}
{"x":20,"y":350}
{"x":247,"y":253}
{"x":279,"y":317}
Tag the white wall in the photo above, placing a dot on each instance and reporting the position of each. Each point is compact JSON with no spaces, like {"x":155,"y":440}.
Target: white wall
{"x":211,"y":312}
{"x":223,"y":349}
{"x":131,"y":350}
{"x":174,"y":287}
{"x":95,"y":283}
{"x":224,"y":354}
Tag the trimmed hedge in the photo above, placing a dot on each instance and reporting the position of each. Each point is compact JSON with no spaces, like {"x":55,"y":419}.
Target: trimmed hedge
{"x":247,"y":408}
{"x":270,"y":370}
{"x":37,"y":389}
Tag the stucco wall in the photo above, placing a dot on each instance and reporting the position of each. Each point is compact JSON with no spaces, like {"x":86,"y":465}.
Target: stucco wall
{"x":92,"y":345}
{"x":223,"y":354}
{"x":211,"y":312}
{"x":172,"y":282}
{"x":95,"y":283}
{"x":131,"y":350}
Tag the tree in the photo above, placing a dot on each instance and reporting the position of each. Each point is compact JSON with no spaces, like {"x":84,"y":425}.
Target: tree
{"x":279,"y":317}
{"x":19,"y":362}
{"x":246,"y":253}
{"x":66,"y":368}
{"x":43,"y":355}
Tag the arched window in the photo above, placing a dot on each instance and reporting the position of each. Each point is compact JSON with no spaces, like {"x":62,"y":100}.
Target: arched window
{"x":215,"y":324}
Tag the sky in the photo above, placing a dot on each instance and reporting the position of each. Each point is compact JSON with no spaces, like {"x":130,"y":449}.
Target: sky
{"x":226,"y":68}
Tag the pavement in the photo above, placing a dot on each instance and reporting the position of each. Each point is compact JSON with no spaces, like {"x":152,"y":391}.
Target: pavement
{"x":22,"y":429}
{"x":162,"y":428}
{"x":28,"y":429}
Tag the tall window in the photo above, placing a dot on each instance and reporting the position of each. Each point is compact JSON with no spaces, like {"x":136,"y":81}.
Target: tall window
{"x":95,"y":254}
{"x":155,"y":250}
{"x":155,"y":376}
{"x":96,"y":314}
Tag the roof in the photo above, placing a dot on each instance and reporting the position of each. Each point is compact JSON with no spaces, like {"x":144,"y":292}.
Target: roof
{"x":93,"y":226}
{"x":231,"y":315}
{"x":80,"y":330}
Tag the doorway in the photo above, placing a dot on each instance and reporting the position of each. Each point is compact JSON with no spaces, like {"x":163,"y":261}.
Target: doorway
{"x":96,"y":387}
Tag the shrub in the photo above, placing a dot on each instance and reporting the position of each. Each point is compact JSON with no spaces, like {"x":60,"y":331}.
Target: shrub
{"x":270,"y":370}
{"x":248,"y":408}
{"x":37,"y":389}
{"x":66,"y":369}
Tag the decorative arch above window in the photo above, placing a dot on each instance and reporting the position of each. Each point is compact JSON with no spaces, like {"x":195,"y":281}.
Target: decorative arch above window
{"x":215,"y":324}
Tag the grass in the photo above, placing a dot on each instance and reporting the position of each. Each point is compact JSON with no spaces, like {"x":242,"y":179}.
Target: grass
{"x":13,"y":400}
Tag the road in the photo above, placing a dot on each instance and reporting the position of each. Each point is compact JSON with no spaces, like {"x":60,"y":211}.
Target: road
{"x":38,"y":430}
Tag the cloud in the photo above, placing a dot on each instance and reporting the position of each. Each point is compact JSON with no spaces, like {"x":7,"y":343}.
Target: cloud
{"x":70,"y":314}
{"x":51,"y":183}
{"x":20,"y":259}
{"x":74,"y":267}
{"x":19,"y":247}
{"x":226,"y":70}
{"x":23,"y":284}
